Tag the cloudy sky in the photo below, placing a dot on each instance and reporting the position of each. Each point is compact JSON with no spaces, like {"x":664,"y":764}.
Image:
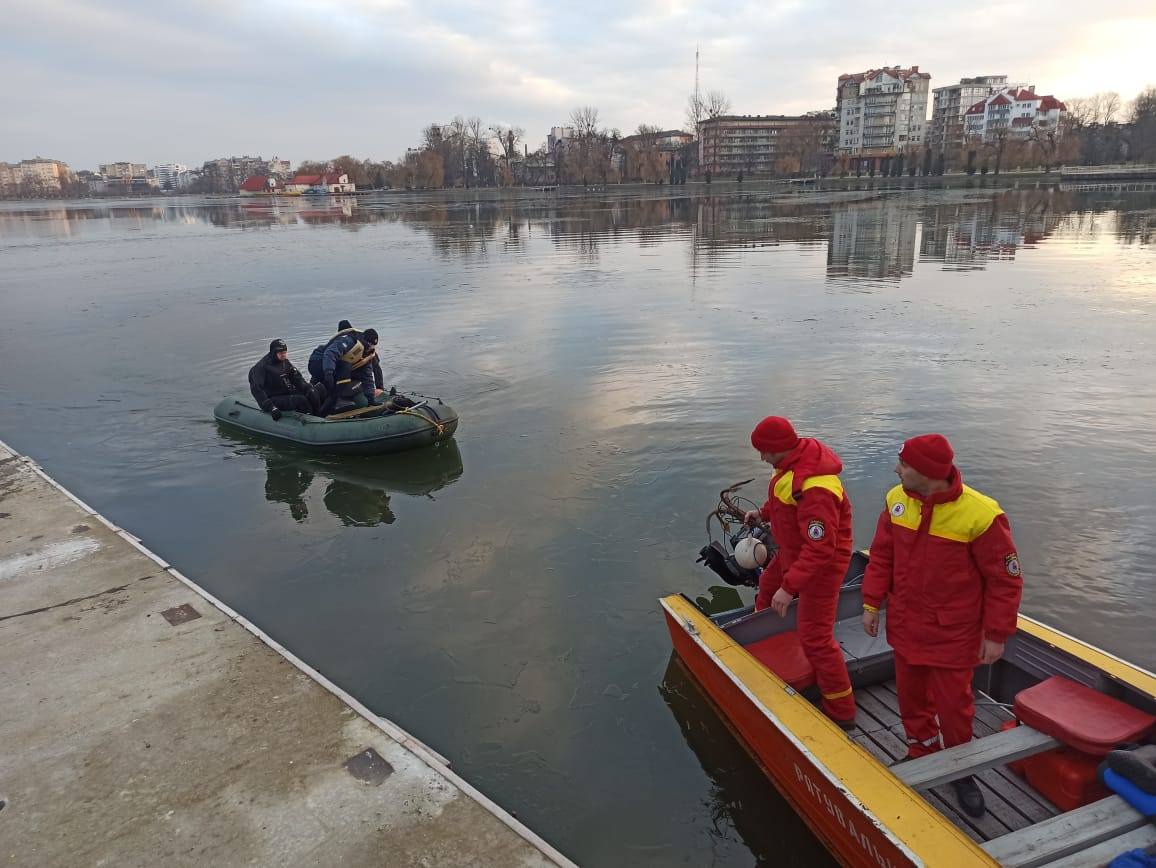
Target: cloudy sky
{"x":92,"y":81}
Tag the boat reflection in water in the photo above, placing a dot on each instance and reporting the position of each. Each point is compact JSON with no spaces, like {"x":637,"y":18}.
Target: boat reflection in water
{"x":357,"y":490}
{"x":741,"y":795}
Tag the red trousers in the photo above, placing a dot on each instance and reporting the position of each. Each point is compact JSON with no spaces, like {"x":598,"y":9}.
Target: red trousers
{"x":815,"y":624}
{"x":928,"y":692}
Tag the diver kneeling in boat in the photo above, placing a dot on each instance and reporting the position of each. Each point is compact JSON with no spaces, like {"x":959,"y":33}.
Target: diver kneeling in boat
{"x":277,"y":385}
{"x":332,"y":365}
{"x":810,"y":518}
{"x":944,"y":560}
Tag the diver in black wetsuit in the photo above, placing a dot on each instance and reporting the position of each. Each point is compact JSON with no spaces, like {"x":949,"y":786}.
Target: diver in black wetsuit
{"x":277,"y":385}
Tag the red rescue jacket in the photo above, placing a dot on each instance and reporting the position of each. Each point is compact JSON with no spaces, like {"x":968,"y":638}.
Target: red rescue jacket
{"x":810,"y":518}
{"x":947,"y":566}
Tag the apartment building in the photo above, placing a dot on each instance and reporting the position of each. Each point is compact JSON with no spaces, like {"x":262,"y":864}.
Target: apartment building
{"x":951,"y":102}
{"x":882,"y":112}
{"x":765,"y":144}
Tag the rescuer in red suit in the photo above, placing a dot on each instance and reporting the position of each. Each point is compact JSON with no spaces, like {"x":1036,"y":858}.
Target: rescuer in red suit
{"x":944,"y":561}
{"x":810,"y":518}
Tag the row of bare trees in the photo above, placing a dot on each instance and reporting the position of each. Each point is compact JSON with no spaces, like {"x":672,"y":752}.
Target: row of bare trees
{"x":1111,"y":130}
{"x":465,"y":152}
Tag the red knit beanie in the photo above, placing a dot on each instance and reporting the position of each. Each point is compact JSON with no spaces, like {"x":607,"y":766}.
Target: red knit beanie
{"x":930,"y":454}
{"x":774,"y":434}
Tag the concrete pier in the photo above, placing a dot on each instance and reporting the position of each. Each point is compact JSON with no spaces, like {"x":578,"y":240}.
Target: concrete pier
{"x":143,"y":722}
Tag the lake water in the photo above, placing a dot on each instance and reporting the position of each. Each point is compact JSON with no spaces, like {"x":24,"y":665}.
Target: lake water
{"x":608,"y":357}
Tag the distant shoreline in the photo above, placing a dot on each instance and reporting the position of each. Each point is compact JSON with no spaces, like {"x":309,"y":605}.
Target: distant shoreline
{"x":789,"y":188}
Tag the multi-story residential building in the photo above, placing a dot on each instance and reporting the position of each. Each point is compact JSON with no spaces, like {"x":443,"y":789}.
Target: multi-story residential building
{"x":764,"y":144}
{"x":225,"y":175}
{"x":172,"y":177}
{"x":124,"y":171}
{"x":35,"y":177}
{"x":882,"y":112}
{"x":951,"y":102}
{"x":280,"y":168}
{"x":1012,"y":113}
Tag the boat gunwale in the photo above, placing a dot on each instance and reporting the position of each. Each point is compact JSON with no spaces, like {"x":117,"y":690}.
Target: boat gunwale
{"x":1136,"y":677}
{"x":829,"y":730}
{"x":323,"y":444}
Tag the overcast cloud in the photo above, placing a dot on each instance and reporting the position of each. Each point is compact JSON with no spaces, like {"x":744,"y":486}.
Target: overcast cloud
{"x":90,"y":82}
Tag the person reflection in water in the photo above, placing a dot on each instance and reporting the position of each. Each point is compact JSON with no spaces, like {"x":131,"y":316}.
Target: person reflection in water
{"x":357,"y":506}
{"x":358,"y":493}
{"x":286,"y":482}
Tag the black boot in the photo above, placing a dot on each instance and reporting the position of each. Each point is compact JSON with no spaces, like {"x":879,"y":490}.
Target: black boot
{"x":969,"y":797}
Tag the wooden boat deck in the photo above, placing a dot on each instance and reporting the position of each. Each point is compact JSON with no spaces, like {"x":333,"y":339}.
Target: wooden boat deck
{"x":1012,"y":803}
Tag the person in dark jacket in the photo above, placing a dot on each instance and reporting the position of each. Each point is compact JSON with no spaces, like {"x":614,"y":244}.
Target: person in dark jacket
{"x":277,"y":385}
{"x":368,"y":370}
{"x":341,"y":366}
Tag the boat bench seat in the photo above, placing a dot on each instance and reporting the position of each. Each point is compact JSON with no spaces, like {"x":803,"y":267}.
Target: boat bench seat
{"x":783,"y":654}
{"x":973,"y":756}
{"x":1081,"y":717}
{"x":1064,"y":835}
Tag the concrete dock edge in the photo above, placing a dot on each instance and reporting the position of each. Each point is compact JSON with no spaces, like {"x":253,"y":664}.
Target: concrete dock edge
{"x":537,"y":848}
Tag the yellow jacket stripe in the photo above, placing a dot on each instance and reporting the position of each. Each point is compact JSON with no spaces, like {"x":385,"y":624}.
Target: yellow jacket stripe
{"x":785,"y":486}
{"x":963,"y":520}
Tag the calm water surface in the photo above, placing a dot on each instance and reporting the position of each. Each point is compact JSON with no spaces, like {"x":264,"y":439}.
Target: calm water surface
{"x":608,"y":358}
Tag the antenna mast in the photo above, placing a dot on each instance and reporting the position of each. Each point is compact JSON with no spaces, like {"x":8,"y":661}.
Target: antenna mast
{"x":697,"y":104}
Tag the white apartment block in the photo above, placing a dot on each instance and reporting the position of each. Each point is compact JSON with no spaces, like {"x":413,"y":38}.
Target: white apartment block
{"x":1012,"y":113}
{"x":171,"y":176}
{"x":951,"y":102}
{"x":882,"y":112}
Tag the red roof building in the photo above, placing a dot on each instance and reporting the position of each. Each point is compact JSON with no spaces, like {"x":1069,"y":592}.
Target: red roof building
{"x":259,"y":184}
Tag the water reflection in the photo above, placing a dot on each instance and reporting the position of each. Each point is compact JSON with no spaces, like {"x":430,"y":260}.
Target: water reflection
{"x":741,"y":796}
{"x":869,"y":235}
{"x":357,"y":490}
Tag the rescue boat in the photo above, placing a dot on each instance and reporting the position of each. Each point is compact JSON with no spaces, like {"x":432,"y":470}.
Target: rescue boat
{"x":1046,"y":715}
{"x":368,"y":431}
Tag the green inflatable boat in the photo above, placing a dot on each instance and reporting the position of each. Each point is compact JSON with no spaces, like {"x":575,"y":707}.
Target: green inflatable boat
{"x":370,"y":431}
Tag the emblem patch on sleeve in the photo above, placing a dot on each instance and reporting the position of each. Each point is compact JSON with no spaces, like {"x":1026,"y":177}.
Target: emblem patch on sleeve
{"x":897,"y":510}
{"x":816,"y":530}
{"x":1012,"y":564}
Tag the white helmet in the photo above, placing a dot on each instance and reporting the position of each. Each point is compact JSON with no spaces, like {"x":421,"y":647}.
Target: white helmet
{"x":750,"y":553}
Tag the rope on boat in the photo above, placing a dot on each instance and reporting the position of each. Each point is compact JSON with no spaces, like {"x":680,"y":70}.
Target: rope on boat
{"x":407,"y":411}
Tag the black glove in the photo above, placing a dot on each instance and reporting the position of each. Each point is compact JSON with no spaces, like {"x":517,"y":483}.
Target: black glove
{"x":275,"y":413}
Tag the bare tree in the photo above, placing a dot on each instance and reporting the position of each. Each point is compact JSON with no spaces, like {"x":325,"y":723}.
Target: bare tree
{"x":584,"y":120}
{"x":1098,"y":109}
{"x":996,"y":143}
{"x":1109,"y":107}
{"x":694,"y":114}
{"x":1143,"y":123}
{"x":508,"y":139}
{"x":716,"y":104}
{"x":1081,"y":112}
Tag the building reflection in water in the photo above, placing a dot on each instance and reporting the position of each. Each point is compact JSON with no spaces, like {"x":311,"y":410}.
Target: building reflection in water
{"x":872,"y":241}
{"x":967,"y":236}
{"x":357,"y":490}
{"x":869,"y":236}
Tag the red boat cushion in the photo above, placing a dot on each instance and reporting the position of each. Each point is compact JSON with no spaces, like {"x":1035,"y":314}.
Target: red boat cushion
{"x":784,"y":656}
{"x":1079,"y":716}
